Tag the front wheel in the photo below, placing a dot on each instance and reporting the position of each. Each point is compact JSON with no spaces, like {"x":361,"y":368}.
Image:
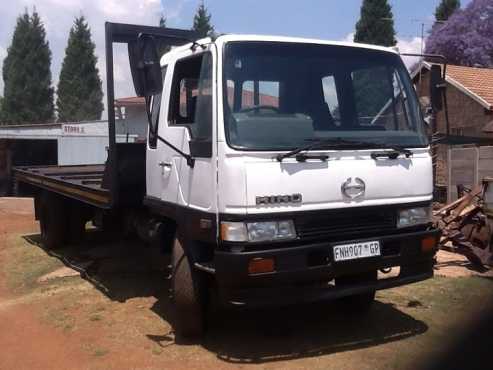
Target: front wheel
{"x":189,"y":295}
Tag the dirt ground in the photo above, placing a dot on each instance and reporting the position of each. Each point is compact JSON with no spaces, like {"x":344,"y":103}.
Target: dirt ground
{"x":104,"y":305}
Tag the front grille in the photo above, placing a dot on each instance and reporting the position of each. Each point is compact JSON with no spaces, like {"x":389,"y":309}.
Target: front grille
{"x":347,"y":221}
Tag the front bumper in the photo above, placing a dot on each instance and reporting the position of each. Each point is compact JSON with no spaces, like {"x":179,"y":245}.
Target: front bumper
{"x":306,"y":273}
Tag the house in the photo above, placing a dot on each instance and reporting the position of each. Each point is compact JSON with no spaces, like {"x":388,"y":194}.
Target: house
{"x":470,"y":106}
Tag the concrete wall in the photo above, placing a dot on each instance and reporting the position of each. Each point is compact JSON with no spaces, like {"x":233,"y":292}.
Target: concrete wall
{"x":468,"y":166}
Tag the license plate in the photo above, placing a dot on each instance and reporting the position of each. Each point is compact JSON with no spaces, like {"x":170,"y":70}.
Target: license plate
{"x":357,"y":250}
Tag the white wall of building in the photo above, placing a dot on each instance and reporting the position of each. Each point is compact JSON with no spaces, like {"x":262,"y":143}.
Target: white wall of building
{"x":82,"y":150}
{"x":77,"y":143}
{"x":134,"y":122}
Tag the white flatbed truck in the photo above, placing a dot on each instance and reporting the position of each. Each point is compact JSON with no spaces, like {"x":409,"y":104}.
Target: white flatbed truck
{"x":276,"y":170}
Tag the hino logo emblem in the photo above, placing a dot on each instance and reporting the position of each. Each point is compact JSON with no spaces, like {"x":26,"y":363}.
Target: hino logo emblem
{"x":278,"y":199}
{"x":353,"y":188}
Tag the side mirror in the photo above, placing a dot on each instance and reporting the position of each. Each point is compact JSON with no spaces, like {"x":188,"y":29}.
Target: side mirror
{"x":144,"y":65}
{"x":200,"y":148}
{"x":437,"y":85}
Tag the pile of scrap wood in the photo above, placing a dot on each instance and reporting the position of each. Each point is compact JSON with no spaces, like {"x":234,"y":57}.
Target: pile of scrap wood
{"x":465,"y":227}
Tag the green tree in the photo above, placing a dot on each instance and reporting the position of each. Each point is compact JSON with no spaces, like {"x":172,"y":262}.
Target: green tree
{"x":1,"y":110}
{"x":202,"y":21}
{"x":79,"y":94}
{"x":28,"y":94}
{"x":445,"y":9}
{"x":376,"y":24}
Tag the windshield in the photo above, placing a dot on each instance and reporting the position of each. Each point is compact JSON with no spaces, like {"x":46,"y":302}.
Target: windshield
{"x":280,"y":96}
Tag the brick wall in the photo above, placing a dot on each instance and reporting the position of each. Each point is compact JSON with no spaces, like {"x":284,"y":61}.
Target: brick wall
{"x":467,"y":118}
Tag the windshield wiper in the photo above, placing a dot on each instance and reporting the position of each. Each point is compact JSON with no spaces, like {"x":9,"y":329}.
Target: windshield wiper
{"x":394,"y":154}
{"x":340,"y":142}
{"x":333,"y":142}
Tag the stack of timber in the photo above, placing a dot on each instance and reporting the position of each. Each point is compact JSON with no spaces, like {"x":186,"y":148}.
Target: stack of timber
{"x":467,"y":227}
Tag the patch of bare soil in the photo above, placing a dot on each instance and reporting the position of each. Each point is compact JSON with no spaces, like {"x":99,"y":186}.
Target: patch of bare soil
{"x":26,"y":342}
{"x":62,"y":272}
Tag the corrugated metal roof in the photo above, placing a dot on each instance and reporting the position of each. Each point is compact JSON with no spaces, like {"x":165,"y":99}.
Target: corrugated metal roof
{"x":130,"y":101}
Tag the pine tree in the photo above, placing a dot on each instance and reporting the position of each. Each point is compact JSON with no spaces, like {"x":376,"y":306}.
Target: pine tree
{"x":79,"y":90}
{"x":376,"y":24}
{"x":28,"y":95}
{"x":1,"y":110}
{"x":446,"y":9}
{"x":162,"y":21}
{"x":202,"y":21}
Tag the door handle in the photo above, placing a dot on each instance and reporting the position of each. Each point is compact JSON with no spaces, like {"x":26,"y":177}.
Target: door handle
{"x":165,"y":164}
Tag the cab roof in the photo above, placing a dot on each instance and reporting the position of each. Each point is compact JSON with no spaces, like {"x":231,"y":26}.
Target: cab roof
{"x":221,"y":40}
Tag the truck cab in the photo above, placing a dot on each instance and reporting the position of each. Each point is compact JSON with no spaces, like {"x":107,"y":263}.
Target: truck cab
{"x":294,"y":169}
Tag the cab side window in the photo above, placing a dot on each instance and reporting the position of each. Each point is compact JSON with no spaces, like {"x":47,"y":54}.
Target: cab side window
{"x":191,"y":96}
{"x":155,"y":103}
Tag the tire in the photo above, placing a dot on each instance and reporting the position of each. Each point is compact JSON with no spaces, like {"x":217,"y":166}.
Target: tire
{"x":189,"y":295}
{"x":53,"y":221}
{"x":358,"y":303}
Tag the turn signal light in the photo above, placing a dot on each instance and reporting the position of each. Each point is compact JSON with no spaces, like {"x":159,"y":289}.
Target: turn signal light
{"x":428,"y":244}
{"x":261,"y":266}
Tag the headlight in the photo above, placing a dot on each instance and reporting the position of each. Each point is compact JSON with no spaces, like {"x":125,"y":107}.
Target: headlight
{"x":414,"y":216}
{"x":257,"y":231}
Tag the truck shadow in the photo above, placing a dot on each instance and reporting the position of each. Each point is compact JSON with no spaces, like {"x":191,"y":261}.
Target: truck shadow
{"x":120,"y":269}
{"x":123,"y":270}
{"x":305,"y":331}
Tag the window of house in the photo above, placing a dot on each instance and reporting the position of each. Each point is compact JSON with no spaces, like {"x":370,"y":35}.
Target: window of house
{"x":155,"y":104}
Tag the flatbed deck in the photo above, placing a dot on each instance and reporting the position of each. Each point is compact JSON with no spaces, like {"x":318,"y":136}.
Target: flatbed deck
{"x":81,"y":182}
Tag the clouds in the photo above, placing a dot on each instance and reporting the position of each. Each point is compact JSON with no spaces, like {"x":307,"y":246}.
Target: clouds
{"x":411,"y":46}
{"x":58,"y":16}
{"x":3,"y":53}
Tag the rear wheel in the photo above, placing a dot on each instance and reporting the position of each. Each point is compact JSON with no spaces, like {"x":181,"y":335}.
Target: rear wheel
{"x":53,"y":220}
{"x":189,"y":295}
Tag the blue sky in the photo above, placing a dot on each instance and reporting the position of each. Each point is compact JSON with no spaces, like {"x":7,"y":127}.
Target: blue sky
{"x":330,"y":19}
{"x":325,"y":19}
